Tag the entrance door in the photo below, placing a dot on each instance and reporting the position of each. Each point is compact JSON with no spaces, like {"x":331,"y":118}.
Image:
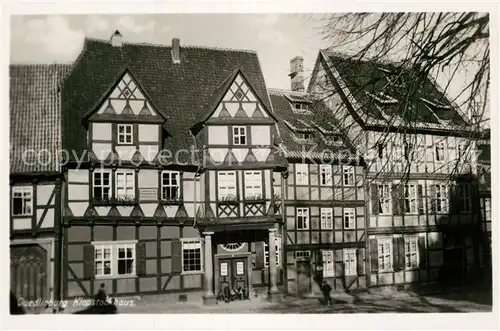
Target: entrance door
{"x":233,"y":273}
{"x":303,"y":278}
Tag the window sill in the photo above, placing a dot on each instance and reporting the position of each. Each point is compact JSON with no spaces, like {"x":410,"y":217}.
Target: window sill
{"x":115,"y":277}
{"x":228,"y":202}
{"x":412,"y":269}
{"x":24,"y":215}
{"x":303,"y":229}
{"x":192,"y":272}
{"x":384,"y":214}
{"x":113,"y":202}
{"x":350,"y":275}
{"x":385,"y":271}
{"x":171,"y":202}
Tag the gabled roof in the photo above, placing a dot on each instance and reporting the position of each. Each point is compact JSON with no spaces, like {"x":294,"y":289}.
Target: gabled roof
{"x":291,"y":123}
{"x":35,"y":117}
{"x":181,"y":91}
{"x":379,"y":90}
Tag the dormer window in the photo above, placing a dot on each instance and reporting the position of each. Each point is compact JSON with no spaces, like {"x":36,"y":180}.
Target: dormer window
{"x":300,"y":106}
{"x":304,"y":136}
{"x":125,"y":134}
{"x":333,"y":139}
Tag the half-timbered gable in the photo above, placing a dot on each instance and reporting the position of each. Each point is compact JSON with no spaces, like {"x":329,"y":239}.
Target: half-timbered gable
{"x":35,"y":181}
{"x":421,"y":176}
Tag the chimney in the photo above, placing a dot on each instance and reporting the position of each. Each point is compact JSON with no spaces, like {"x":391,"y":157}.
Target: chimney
{"x":176,"y":50}
{"x":297,"y":74}
{"x":117,"y":39}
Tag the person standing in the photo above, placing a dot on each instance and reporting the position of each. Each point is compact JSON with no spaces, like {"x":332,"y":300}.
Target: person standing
{"x":326,"y":289}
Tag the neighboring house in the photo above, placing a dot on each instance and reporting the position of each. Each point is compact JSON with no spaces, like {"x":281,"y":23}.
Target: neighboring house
{"x":169,"y":189}
{"x":324,"y":197}
{"x":35,"y":181}
{"x":484,"y":173}
{"x":423,"y":211}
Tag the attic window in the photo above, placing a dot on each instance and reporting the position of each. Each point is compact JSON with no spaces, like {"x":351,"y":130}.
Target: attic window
{"x":239,"y":95}
{"x":126,"y":92}
{"x":305,"y":136}
{"x":332,"y":139}
{"x":300,"y":106}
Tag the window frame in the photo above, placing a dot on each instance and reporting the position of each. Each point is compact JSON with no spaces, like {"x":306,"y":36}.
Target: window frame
{"x":326,"y":218}
{"x":465,"y":198}
{"x":305,"y":255}
{"x":188,"y":241}
{"x":441,"y":198}
{"x":22,"y":190}
{"x":103,"y":247}
{"x":353,"y":262}
{"x":382,"y":242}
{"x":350,"y":213}
{"x":408,"y":241}
{"x":384,"y":198}
{"x":348,"y":176}
{"x":487,"y":209}
{"x":328,"y":263}
{"x":277,"y":240}
{"x":305,"y":214}
{"x":238,"y":135}
{"x":114,"y":257}
{"x":437,"y":148}
{"x":163,"y":186}
{"x":302,"y":172}
{"x":230,"y":187}
{"x":125,"y":134}
{"x":412,"y":200}
{"x":325,"y":174}
{"x":254,"y":191}
{"x":102,"y":171}
{"x":125,"y":172}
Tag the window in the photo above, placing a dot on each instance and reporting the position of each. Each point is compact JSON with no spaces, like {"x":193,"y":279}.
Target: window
{"x":381,"y":151}
{"x":411,"y":252}
{"x":408,"y":151}
{"x":239,"y":135}
{"x":302,"y":174}
{"x":325,"y":171}
{"x":170,"y":185}
{"x":125,"y":184}
{"x":227,"y":185}
{"x":302,"y":218}
{"x":253,"y":184}
{"x":410,"y":199}
{"x":439,"y":152}
{"x":303,"y":255}
{"x":304,"y":136}
{"x":326,"y":218}
{"x":487,"y":209}
{"x":102,"y":184}
{"x":350,"y":262}
{"x":385,"y":254}
{"x":464,"y":198}
{"x":22,"y":200}
{"x":328,"y":264}
{"x":191,"y":256}
{"x":114,"y":259}
{"x":349,"y":218}
{"x":384,"y":199}
{"x":300,"y":106}
{"x":348,"y":176}
{"x":441,"y":198}
{"x":125,"y":134}
{"x":277,"y":241}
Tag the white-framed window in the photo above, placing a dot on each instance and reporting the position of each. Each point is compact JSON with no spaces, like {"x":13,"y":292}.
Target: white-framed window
{"x":300,"y":106}
{"x":325,"y":172}
{"x":125,"y":184}
{"x":384,"y":199}
{"x":349,"y":218}
{"x":277,"y":241}
{"x":350,"y":264}
{"x":464,"y":196}
{"x":410,"y":199}
{"x":102,"y":184}
{"x":441,"y":198}
{"x":302,"y":218}
{"x":125,"y":134}
{"x":226,"y":182}
{"x":348,"y":175}
{"x":170,"y":181}
{"x":191,"y":256}
{"x":22,"y":200}
{"x":409,"y":151}
{"x":114,"y":259}
{"x":439,"y":152}
{"x":253,"y":184}
{"x":303,"y":255}
{"x":305,"y":136}
{"x":302,"y":174}
{"x":411,"y":252}
{"x":487,"y":209}
{"x":239,"y":135}
{"x":328,"y":264}
{"x":385,"y":254}
{"x":326,"y":218}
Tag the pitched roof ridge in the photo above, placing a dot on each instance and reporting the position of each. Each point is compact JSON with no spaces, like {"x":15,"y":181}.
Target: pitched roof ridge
{"x":225,"y":49}
{"x":28,"y":64}
{"x":354,"y":56}
{"x":278,"y":91}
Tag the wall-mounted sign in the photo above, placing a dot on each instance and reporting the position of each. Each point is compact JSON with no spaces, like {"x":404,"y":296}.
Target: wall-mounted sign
{"x":223,"y":269}
{"x":239,"y":268}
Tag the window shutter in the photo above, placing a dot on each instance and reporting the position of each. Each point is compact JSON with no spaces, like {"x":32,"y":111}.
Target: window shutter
{"x":398,"y":251}
{"x":176,"y":256}
{"x":374,"y":255}
{"x":422,"y":252}
{"x":395,"y":200}
{"x":420,"y":199}
{"x":360,"y":261}
{"x":259,"y":255}
{"x":401,"y":198}
{"x":375,"y":199}
{"x":433,"y":198}
{"x":88,"y":266}
{"x":140,"y":255}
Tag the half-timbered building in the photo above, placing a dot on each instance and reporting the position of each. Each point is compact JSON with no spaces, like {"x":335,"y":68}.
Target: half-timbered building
{"x":170,"y":178}
{"x":35,"y":182}
{"x":421,"y":179}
